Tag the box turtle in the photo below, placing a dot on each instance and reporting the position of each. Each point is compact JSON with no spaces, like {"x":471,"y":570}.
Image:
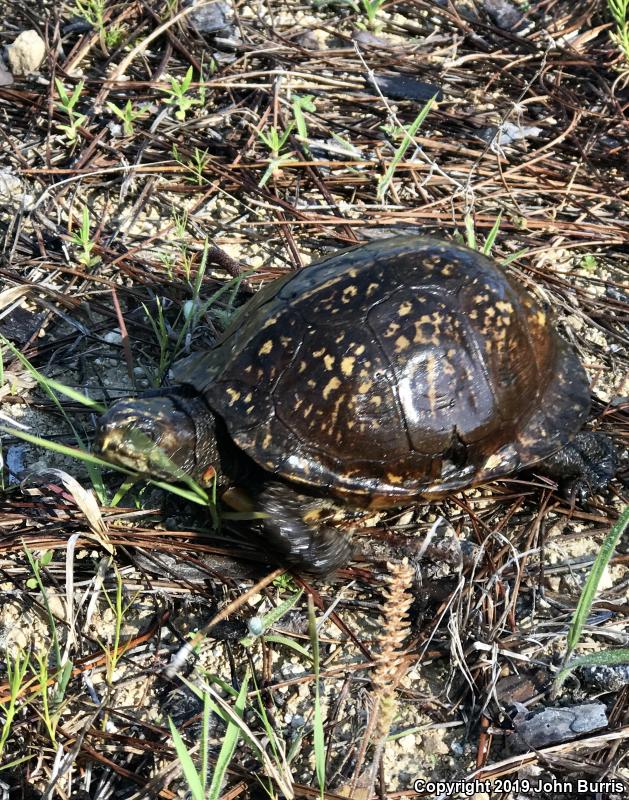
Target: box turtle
{"x":398,"y":370}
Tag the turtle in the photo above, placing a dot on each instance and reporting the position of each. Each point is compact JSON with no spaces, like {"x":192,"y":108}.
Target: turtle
{"x":394,"y":372}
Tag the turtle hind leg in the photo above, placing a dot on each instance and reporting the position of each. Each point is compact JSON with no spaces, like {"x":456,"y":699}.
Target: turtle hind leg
{"x":584,"y":466}
{"x":311,"y":548}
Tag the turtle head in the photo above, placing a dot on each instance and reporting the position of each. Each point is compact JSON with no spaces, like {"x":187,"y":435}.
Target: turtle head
{"x":165,"y":437}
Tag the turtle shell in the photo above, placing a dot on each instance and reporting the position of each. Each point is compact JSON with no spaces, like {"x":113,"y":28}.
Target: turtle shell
{"x":404,"y":368}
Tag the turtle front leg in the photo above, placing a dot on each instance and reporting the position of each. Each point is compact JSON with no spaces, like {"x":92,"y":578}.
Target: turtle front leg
{"x":584,"y":466}
{"x":311,"y":548}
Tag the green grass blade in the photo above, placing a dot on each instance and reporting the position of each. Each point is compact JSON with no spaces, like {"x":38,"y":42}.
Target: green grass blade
{"x":74,"y":394}
{"x":187,"y":764}
{"x":290,"y":643}
{"x":385,"y":180}
{"x":318,"y":733}
{"x":196,"y":495}
{"x":470,"y":233}
{"x":491,"y":236}
{"x":594,"y":578}
{"x":602,"y":658}
{"x":229,"y":744}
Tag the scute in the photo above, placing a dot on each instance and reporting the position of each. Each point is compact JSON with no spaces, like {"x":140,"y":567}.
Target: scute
{"x":407,"y":367}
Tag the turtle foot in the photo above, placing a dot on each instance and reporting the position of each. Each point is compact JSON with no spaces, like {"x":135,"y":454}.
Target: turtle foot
{"x":317,"y":550}
{"x":583,"y":467}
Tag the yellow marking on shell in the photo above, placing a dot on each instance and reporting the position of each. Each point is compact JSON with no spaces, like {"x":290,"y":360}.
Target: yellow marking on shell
{"x":234,"y":395}
{"x":266,"y":348}
{"x":285,"y":340}
{"x":270,"y":321}
{"x":248,"y":397}
{"x":401,"y":343}
{"x":393,"y":478}
{"x":371,"y":289}
{"x":347,"y":365}
{"x":332,"y":384}
{"x":266,"y":441}
{"x":497,"y":339}
{"x":377,"y":401}
{"x":479,"y":299}
{"x":249,"y":368}
{"x":349,"y":292}
{"x":428,"y":319}
{"x":339,"y":338}
{"x":318,"y":353}
{"x":404,"y":308}
{"x":365,"y":387}
{"x":312,"y":383}
{"x":503,"y":305}
{"x":298,"y":404}
{"x":447,"y":270}
{"x":360,"y":349}
{"x":473,"y":314}
{"x":250,"y":410}
{"x":541,"y":318}
{"x":308,"y":410}
{"x":328,"y":360}
{"x":490,"y":312}
{"x":302,"y":366}
{"x":392,"y":329}
{"x":335,"y":410}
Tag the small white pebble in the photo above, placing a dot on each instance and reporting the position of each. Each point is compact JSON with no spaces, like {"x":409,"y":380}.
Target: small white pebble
{"x":26,"y":53}
{"x":113,"y":337}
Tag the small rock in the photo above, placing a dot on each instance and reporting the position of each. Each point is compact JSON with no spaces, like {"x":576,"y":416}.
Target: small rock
{"x":10,"y":187}
{"x":404,"y":87}
{"x":211,"y":18}
{"x":552,"y":725}
{"x":434,"y":744}
{"x":315,"y":39}
{"x":607,"y":677}
{"x":113,"y":337}
{"x":367,"y":39}
{"x":504,"y":14}
{"x":26,"y":53}
{"x":408,"y":743}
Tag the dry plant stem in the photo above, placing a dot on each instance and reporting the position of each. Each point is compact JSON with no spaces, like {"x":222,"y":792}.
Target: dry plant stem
{"x":119,"y":71}
{"x":390,"y":665}
{"x":126,"y":347}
